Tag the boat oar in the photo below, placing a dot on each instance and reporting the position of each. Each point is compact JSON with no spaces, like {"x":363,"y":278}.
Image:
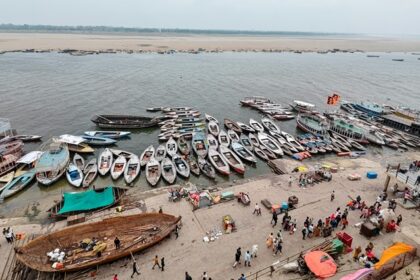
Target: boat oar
{"x":108,"y":120}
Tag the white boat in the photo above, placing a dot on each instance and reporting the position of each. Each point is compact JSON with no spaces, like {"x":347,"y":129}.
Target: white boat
{"x":260,"y":153}
{"x":253,"y":139}
{"x":74,"y":175}
{"x":74,"y":143}
{"x":270,"y":125}
{"x":212,"y":141}
{"x":91,"y":164}
{"x":270,"y":143}
{"x":27,"y":162}
{"x":175,"y":109}
{"x":232,"y":159}
{"x":302,"y":107}
{"x":123,"y":153}
{"x":118,"y":167}
{"x":224,"y":138}
{"x":168,"y":170}
{"x":243,"y":153}
{"x":245,"y":127}
{"x":233,"y":136}
{"x":213,"y":128}
{"x":289,"y":138}
{"x":79,"y":161}
{"x":244,"y":140}
{"x":199,"y":144}
{"x":181,"y":166}
{"x":153,"y":172}
{"x":132,"y":170}
{"x":206,"y":168}
{"x":256,"y":125}
{"x":171,"y":147}
{"x":211,"y":119}
{"x":105,"y":160}
{"x":219,"y":162}
{"x":27,"y":138}
{"x":90,"y":176}
{"x":108,"y":134}
{"x":160,"y":153}
{"x":269,"y":153}
{"x":184,"y":146}
{"x":147,"y":154}
{"x":52,"y":163}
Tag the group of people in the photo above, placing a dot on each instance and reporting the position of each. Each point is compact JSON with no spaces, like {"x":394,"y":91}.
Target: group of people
{"x":204,"y":276}
{"x":247,"y":256}
{"x":9,"y":235}
{"x":368,"y":258}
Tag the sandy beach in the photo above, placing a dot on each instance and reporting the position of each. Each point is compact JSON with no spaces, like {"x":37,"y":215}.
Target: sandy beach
{"x":166,"y":42}
{"x":190,"y":253}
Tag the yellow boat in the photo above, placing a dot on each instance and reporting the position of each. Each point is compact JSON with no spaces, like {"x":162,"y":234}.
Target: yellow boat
{"x":75,"y":143}
{"x":8,"y":177}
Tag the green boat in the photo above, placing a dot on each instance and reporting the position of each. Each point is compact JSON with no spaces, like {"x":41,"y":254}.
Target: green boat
{"x":349,"y":130}
{"x":17,"y":184}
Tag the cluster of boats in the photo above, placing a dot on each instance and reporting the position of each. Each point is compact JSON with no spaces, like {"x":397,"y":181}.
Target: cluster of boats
{"x":274,"y":110}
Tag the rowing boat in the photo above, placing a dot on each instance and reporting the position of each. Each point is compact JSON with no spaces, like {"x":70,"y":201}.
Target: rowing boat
{"x":118,"y":167}
{"x":242,"y":152}
{"x":153,"y":172}
{"x":98,"y":141}
{"x":245,"y":127}
{"x":90,"y":176}
{"x":168,"y":170}
{"x":270,"y":143}
{"x":213,"y":128}
{"x":79,"y":161}
{"x":124,"y":121}
{"x":260,"y":154}
{"x":181,"y":166}
{"x":253,"y":139}
{"x":224,"y":138}
{"x":232,"y":125}
{"x":194,"y":168}
{"x":160,"y":153}
{"x":105,"y":162}
{"x":147,"y":154}
{"x":184,"y":146}
{"x":123,"y":153}
{"x":244,"y":140}
{"x":270,"y":125}
{"x":132,"y":170}
{"x":232,"y":136}
{"x":232,"y":159}
{"x":17,"y":184}
{"x":27,"y":138}
{"x":199,"y":144}
{"x":91,"y":164}
{"x":269,"y":153}
{"x":74,"y":175}
{"x":211,"y":119}
{"x":108,"y":134}
{"x":171,"y":147}
{"x":219,"y":162}
{"x":256,"y":125}
{"x":206,"y":168}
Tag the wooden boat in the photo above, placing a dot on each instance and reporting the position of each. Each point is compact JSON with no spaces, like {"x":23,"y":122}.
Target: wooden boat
{"x":256,"y":125}
{"x":232,"y":159}
{"x":17,"y":185}
{"x":75,"y":143}
{"x":356,"y":145}
{"x":188,"y":120}
{"x":232,"y":136}
{"x":211,"y":119}
{"x":90,"y":176}
{"x":199,"y":145}
{"x":118,"y":153}
{"x":244,"y":140}
{"x":168,"y":170}
{"x":245,"y":127}
{"x":27,"y":138}
{"x":124,"y":121}
{"x":153,"y":172}
{"x":160,"y":153}
{"x":270,"y":144}
{"x":206,"y":168}
{"x":147,"y":154}
{"x":8,"y":177}
{"x":74,"y":175}
{"x":182,"y":113}
{"x":108,"y":134}
{"x":212,"y":141}
{"x":118,"y":167}
{"x":132,"y":170}
{"x":341,"y":139}
{"x":52,"y":163}
{"x":176,"y":109}
{"x":27,"y":162}
{"x":224,"y":138}
{"x":91,"y":164}
{"x":106,"y":197}
{"x":154,"y":109}
{"x":289,"y":138}
{"x":254,"y":140}
{"x":98,"y":141}
{"x":260,"y":154}
{"x":79,"y":161}
{"x":213,"y":128}
{"x":232,"y":125}
{"x":181,"y":166}
{"x":269,"y":153}
{"x":242,"y":152}
{"x":13,"y":147}
{"x":184,"y":146}
{"x":219,"y":162}
{"x":105,"y":161}
{"x":270,"y":125}
{"x":171,"y":147}
{"x":302,"y":107}
{"x":194,"y":168}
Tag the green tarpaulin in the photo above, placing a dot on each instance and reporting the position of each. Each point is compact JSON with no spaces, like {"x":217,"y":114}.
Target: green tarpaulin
{"x":88,"y":200}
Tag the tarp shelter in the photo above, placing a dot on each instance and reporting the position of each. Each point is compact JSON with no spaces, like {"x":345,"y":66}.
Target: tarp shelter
{"x":321,"y":264}
{"x":361,"y":274}
{"x":88,"y":200}
{"x":392,"y":253}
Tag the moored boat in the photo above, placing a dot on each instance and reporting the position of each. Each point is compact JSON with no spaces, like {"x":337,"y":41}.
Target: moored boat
{"x":219,"y":162}
{"x":17,"y":184}
{"x":232,"y":136}
{"x":118,"y":167}
{"x":147,"y":154}
{"x":75,"y":143}
{"x":253,"y":139}
{"x":211,"y":119}
{"x":232,"y":125}
{"x":224,"y":138}
{"x":302,"y":107}
{"x":206,"y":168}
{"x":268,"y":152}
{"x":194,"y":168}
{"x":270,"y":125}
{"x":212,"y":141}
{"x":213,"y":128}
{"x":232,"y":159}
{"x":243,"y":153}
{"x":244,"y":140}
{"x":132,"y":170}
{"x":7,"y":177}
{"x":312,"y":123}
{"x":123,"y":153}
{"x":79,"y":161}
{"x":160,"y":153}
{"x":74,"y":175}
{"x":181,"y":166}
{"x":90,"y":176}
{"x":52,"y":163}
{"x":184,"y":146}
{"x":270,"y":143}
{"x":171,"y":147}
{"x":256,"y":125}
{"x":124,"y":121}
{"x":11,"y":147}
{"x":27,"y":138}
{"x":245,"y":127}
{"x":105,"y":161}
{"x":108,"y":134}
{"x":98,"y":141}
{"x":260,"y":153}
{"x":153,"y":172}
{"x":168,"y":170}
{"x":27,"y":162}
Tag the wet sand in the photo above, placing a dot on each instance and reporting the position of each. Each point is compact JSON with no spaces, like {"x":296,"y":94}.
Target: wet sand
{"x":190,"y":253}
{"x":165,"y":42}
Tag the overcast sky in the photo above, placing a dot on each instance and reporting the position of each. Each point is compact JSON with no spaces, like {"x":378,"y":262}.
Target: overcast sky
{"x":349,"y":16}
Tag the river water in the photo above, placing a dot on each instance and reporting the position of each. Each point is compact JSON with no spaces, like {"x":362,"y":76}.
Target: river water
{"x":51,"y":94}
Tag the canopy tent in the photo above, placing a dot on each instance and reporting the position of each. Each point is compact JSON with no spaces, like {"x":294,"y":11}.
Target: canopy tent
{"x":321,"y":264}
{"x":361,"y":274}
{"x":393,"y":252}
{"x":88,"y":200}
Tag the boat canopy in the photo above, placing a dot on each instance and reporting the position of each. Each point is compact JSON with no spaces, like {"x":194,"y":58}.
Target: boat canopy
{"x":88,"y":200}
{"x":71,"y":139}
{"x":321,"y":264}
{"x":30,"y":157}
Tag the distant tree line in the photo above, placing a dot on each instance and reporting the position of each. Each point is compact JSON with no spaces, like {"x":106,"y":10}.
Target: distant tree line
{"x":112,"y":29}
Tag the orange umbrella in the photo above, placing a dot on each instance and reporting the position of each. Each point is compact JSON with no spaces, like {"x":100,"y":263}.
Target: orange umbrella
{"x":321,"y":264}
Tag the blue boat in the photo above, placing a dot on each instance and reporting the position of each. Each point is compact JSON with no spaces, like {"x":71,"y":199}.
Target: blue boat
{"x":17,"y":184}
{"x":371,"y":109}
{"x":52,"y":163}
{"x":108,"y":134}
{"x":98,"y":141}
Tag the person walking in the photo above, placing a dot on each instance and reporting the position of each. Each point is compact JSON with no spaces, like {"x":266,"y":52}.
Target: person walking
{"x":247,"y":259}
{"x":270,"y":240}
{"x":332,"y":195}
{"x":205,"y":276}
{"x":176,"y":231}
{"x":279,"y":247}
{"x":117,"y":243}
{"x":304,"y":232}
{"x":160,"y":210}
{"x":115,"y":277}
{"x":237,"y":257}
{"x":135,"y":269}
{"x":290,"y":181}
{"x":399,"y":220}
{"x":156,"y":262}
{"x":257,"y":210}
{"x":162,"y":263}
{"x":274,"y":218}
{"x":187,"y":276}
{"x":242,"y":277}
{"x":356,"y":253}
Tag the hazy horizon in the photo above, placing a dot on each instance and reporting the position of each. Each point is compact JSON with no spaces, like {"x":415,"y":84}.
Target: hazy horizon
{"x":382,"y":17}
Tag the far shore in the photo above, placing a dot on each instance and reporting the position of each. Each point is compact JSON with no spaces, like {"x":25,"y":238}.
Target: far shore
{"x":167,"y":43}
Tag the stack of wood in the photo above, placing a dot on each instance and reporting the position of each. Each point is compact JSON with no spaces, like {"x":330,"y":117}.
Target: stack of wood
{"x":278,"y":166}
{"x":327,"y":247}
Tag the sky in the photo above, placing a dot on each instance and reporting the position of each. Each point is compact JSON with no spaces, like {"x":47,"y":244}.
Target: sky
{"x":336,"y":16}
